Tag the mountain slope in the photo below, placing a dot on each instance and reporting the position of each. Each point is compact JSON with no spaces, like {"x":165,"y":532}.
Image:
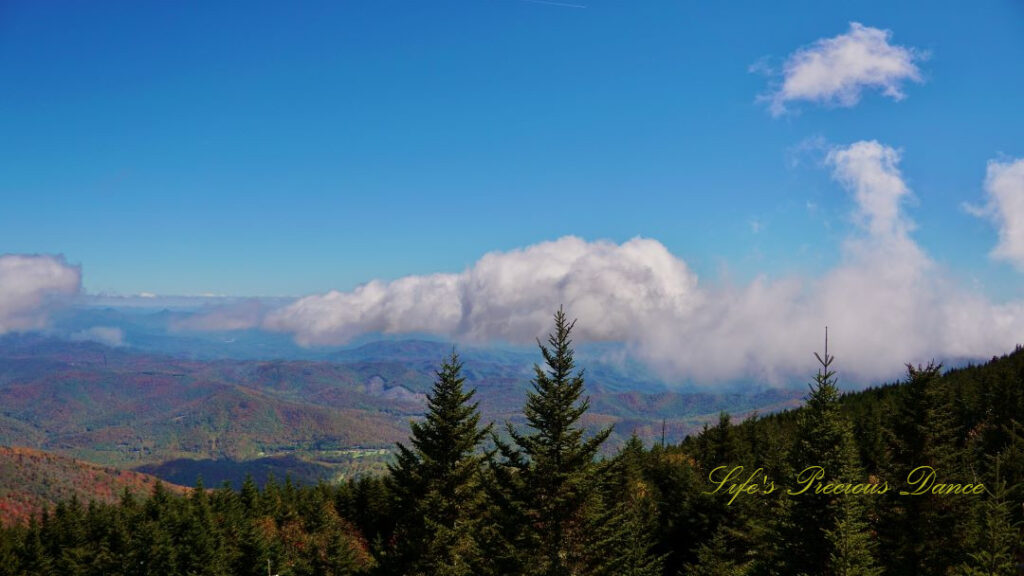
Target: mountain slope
{"x":32,"y":480}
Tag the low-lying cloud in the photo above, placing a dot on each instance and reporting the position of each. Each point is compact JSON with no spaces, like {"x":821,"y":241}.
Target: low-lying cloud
{"x":509,"y":296}
{"x":30,"y":286}
{"x":885,"y":301}
{"x":836,"y":71}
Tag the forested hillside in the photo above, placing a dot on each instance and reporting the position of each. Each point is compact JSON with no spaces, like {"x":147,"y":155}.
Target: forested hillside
{"x":178,"y":418}
{"x":32,"y":481}
{"x":819,"y":492}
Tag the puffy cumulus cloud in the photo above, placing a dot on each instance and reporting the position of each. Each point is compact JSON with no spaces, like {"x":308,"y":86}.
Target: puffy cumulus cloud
{"x":509,"y":296}
{"x":30,"y":285}
{"x":835,"y":71}
{"x":1004,"y":186}
{"x":512,"y":295}
{"x":108,"y":335}
{"x":886,"y":302}
{"x":411,"y":304}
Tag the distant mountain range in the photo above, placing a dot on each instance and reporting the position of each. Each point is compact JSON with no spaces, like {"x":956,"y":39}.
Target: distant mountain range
{"x":166,"y":331}
{"x":179,"y":417}
{"x":123,"y":387}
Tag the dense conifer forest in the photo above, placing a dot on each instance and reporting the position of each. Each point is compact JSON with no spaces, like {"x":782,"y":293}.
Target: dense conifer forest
{"x":819,"y":493}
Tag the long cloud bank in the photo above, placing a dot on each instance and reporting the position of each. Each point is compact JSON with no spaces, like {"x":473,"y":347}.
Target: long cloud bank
{"x":30,"y":286}
{"x":886,"y":302}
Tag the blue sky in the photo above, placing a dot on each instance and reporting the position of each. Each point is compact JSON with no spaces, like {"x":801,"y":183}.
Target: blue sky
{"x":290,"y":149}
{"x":287,"y":149}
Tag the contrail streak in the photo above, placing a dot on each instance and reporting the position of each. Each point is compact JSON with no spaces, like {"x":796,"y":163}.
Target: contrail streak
{"x":550,"y":3}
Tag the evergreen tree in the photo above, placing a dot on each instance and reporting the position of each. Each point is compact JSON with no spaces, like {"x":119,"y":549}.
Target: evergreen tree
{"x":1012,"y":456}
{"x":436,"y":483}
{"x":250,"y":496}
{"x":764,"y":519}
{"x":924,"y":534}
{"x":198,"y":538}
{"x":714,"y":558}
{"x":255,"y":548}
{"x":336,"y":557}
{"x":9,"y":539}
{"x":722,"y":445}
{"x":34,"y":557}
{"x":628,"y":535}
{"x":68,"y":537}
{"x":996,"y":540}
{"x":549,"y":491}
{"x":851,"y":542}
{"x":827,"y":533}
{"x":744,"y":520}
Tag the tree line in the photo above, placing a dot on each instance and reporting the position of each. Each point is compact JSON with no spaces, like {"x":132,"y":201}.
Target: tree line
{"x":462,"y":498}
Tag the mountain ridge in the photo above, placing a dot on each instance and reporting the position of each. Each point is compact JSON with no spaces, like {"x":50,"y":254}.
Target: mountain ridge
{"x":33,"y":480}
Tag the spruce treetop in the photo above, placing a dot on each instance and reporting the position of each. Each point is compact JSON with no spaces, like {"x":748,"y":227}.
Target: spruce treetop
{"x":554,"y":406}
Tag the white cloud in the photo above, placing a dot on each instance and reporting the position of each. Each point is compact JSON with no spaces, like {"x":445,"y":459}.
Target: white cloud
{"x":869,"y":170}
{"x":1004,"y":185}
{"x":835,"y":71}
{"x":411,"y":304}
{"x":508,"y":296}
{"x":30,"y":285}
{"x":885,"y":301}
{"x":109,"y":335}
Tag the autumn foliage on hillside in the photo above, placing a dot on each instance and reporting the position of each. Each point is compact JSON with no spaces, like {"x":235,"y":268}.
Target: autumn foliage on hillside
{"x":32,"y":480}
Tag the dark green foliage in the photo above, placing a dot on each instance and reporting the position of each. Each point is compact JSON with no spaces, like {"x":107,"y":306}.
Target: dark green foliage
{"x":721,"y":445}
{"x":202,"y":533}
{"x":926,"y":531}
{"x":716,"y":558}
{"x":630,"y":517}
{"x":996,"y":542}
{"x":827,"y":533}
{"x":437,"y":485}
{"x":681,"y":508}
{"x":852,"y":549}
{"x":549,"y":503}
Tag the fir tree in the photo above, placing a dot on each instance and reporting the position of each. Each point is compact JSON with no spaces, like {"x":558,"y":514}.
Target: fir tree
{"x":198,"y":537}
{"x":629,"y":528}
{"x":722,"y":445}
{"x":714,"y":558}
{"x":827,"y":533}
{"x":255,"y":548}
{"x":996,"y":540}
{"x":436,"y":483}
{"x":8,"y":555}
{"x":338,"y":557}
{"x":851,"y":542}
{"x":550,"y":501}
{"x":34,"y":557}
{"x":924,"y":534}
